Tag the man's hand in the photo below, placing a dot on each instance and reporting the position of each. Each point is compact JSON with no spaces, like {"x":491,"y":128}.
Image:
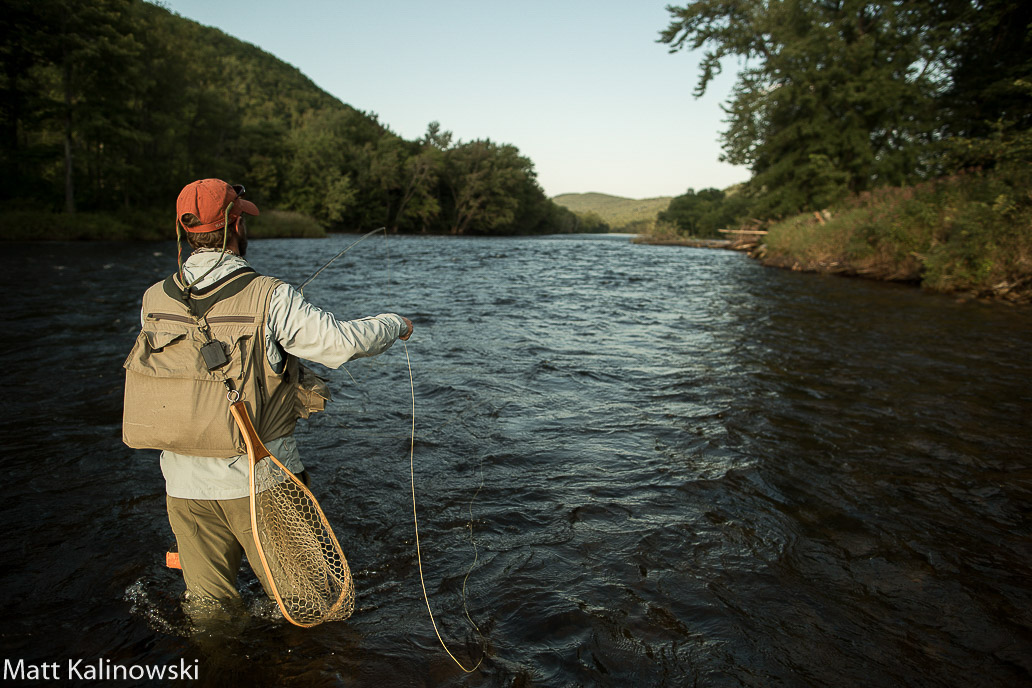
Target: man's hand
{"x":408,"y":332}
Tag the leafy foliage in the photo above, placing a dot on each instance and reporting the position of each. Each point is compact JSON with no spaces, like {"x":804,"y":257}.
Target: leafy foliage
{"x":118,"y":103}
{"x":836,"y":97}
{"x":842,"y":96}
{"x":704,"y":213}
{"x":968,"y":232}
{"x":991,"y":87}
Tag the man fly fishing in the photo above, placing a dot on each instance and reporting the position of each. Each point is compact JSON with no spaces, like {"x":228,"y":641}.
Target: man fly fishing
{"x":215,"y":330}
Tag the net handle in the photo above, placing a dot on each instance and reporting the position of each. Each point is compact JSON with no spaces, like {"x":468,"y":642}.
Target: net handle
{"x":255,"y":449}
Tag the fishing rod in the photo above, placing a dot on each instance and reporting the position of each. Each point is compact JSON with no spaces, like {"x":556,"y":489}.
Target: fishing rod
{"x":362,"y":238}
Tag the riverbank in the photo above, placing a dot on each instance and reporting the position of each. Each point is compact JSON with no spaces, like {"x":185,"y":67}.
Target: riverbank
{"x":35,"y":225}
{"x":684,"y":241}
{"x":969,"y":234}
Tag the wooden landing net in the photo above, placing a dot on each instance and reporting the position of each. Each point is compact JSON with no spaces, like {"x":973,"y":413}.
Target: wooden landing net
{"x":304,"y":565}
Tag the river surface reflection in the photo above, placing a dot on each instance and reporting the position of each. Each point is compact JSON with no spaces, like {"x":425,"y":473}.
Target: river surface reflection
{"x":696,"y":471}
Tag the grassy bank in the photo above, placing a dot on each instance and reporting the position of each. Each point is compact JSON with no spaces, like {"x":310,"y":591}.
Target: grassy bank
{"x":659,"y":233}
{"x":968,"y":233}
{"x":35,"y":225}
{"x":32,"y":225}
{"x":283,"y":224}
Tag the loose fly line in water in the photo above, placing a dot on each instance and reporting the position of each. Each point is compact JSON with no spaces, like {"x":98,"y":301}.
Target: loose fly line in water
{"x":415,"y":523}
{"x":412,"y":475}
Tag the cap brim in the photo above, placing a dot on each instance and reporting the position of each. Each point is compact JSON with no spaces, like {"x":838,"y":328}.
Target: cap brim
{"x":245,"y":206}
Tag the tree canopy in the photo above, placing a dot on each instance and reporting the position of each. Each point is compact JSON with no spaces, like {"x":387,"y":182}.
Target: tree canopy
{"x":704,"y":213}
{"x":841,"y":96}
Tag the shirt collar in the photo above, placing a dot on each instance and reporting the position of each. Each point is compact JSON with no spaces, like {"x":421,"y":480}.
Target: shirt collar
{"x":198,"y":263}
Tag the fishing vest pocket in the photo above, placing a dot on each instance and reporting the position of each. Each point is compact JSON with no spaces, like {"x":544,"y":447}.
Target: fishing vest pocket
{"x":172,"y":400}
{"x":312,"y":393}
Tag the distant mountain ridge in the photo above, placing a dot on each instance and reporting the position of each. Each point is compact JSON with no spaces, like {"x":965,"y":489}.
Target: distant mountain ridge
{"x":616,"y":211}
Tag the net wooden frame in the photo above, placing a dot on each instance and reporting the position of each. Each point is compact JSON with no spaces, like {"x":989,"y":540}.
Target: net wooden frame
{"x":304,"y":565}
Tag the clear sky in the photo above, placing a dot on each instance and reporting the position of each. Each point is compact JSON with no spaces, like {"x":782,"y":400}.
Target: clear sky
{"x":581,"y":87}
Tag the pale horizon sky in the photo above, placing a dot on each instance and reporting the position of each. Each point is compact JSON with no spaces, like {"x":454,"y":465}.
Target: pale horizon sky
{"x":581,"y":88}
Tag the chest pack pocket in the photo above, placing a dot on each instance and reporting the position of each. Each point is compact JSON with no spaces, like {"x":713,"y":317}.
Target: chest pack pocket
{"x":164,"y":354}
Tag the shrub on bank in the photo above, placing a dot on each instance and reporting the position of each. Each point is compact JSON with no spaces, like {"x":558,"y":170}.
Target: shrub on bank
{"x":969,"y":232}
{"x":283,"y":223}
{"x":655,"y":230}
{"x":36,"y":225}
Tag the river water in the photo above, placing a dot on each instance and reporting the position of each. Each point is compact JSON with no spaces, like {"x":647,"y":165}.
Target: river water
{"x":679,"y":468}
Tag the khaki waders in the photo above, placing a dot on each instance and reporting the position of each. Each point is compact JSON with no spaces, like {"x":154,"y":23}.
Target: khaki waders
{"x":212,"y":536}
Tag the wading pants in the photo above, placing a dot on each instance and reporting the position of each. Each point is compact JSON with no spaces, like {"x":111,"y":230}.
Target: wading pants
{"x":212,"y":535}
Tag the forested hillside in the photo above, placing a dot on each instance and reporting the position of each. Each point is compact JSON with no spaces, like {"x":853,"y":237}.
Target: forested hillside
{"x":113,"y":105}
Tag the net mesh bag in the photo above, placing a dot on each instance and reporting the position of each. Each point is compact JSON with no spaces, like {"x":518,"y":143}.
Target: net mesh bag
{"x":303,"y":562}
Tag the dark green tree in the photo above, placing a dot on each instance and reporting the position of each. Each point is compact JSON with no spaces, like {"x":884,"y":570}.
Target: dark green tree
{"x":318,"y":182}
{"x":483,"y":180}
{"x":406,"y":174}
{"x":23,"y":103}
{"x":992,"y":72}
{"x":836,"y":96}
{"x":703,"y":213}
{"x":69,"y":69}
{"x":987,"y":109}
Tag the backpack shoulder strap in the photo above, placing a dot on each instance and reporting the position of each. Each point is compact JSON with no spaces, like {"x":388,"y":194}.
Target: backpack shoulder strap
{"x":200,"y":301}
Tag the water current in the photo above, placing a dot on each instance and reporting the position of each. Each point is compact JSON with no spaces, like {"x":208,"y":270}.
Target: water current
{"x":695,"y":472}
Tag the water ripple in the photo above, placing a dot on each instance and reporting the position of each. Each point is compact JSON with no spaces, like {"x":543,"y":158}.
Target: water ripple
{"x":695,"y":471}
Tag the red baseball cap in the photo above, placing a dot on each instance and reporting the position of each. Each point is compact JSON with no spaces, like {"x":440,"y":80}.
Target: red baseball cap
{"x":208,"y":200}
